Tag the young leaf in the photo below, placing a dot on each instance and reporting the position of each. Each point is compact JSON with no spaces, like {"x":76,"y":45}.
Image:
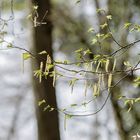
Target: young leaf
{"x":99,"y":35}
{"x":90,"y":30}
{"x":51,"y":109}
{"x":100,"y":10}
{"x":35,"y":7}
{"x":93,"y":41}
{"x":41,"y":102}
{"x":79,"y":50}
{"x":137,"y":82}
{"x":103,"y":25}
{"x":46,"y":108}
{"x":109,"y":17}
{"x":43,"y":52}
{"x":26,"y":56}
{"x":127,"y":63}
{"x":127,"y":25}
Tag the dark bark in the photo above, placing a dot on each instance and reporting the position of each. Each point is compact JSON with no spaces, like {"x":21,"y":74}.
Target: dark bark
{"x":117,"y":114}
{"x":48,"y":128}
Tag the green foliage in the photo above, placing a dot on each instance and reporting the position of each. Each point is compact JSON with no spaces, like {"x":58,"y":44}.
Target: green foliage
{"x":127,"y":25}
{"x":137,"y":82}
{"x":132,"y":27}
{"x":26,"y":56}
{"x":129,"y":102}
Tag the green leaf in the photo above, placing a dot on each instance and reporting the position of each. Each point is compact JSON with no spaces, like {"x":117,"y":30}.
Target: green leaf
{"x":79,"y":50}
{"x":29,"y":16}
{"x":26,"y":56}
{"x":37,"y":73}
{"x":87,"y":52}
{"x":103,"y":25}
{"x":94,"y":40}
{"x":46,"y":108}
{"x":35,"y":7}
{"x":127,"y":25}
{"x":100,"y":10}
{"x":132,"y":29}
{"x":106,"y":36}
{"x":90,"y":30}
{"x":127,"y":63}
{"x":41,"y":102}
{"x":137,"y":81}
{"x":51,"y":109}
{"x":121,"y":97}
{"x":130,"y":107}
{"x":127,"y":102}
{"x":99,"y":35}
{"x":109,"y":17}
{"x":43,"y":52}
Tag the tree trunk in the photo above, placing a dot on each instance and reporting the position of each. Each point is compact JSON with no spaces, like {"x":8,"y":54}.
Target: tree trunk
{"x":48,"y":128}
{"x":114,"y":100}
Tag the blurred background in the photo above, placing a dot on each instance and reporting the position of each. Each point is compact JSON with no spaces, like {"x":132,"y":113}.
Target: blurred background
{"x":66,"y":30}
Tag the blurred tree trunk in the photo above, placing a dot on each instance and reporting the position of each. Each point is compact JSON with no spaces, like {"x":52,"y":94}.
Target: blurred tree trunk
{"x":48,"y":128}
{"x":123,"y":17}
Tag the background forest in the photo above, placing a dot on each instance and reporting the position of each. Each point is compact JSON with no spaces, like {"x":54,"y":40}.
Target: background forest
{"x":64,"y":29}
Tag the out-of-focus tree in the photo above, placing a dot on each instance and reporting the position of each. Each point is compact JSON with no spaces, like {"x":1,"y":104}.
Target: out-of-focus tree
{"x":48,"y":123}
